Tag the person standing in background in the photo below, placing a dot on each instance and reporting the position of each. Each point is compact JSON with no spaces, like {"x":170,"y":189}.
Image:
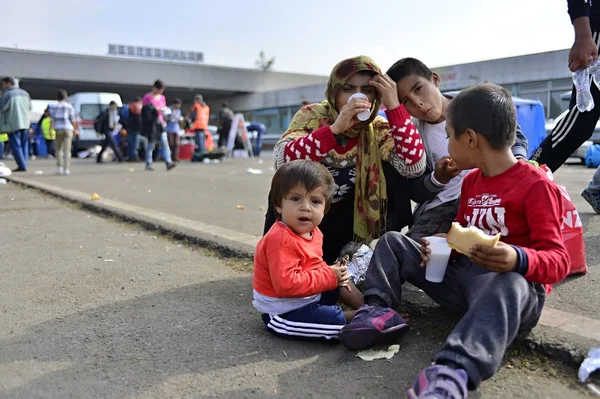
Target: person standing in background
{"x":200,"y":113}
{"x":62,"y":119}
{"x":224,"y":124}
{"x":134,"y":126}
{"x":109,"y":122}
{"x":173,"y":129}
{"x":48,"y":132}
{"x":577,"y":127}
{"x":15,"y":105}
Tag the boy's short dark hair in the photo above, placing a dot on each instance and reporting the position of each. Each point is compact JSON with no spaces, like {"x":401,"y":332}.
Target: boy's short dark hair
{"x":112,"y":103}
{"x":408,"y":66}
{"x":9,"y":80}
{"x":61,"y":95}
{"x":487,"y":109}
{"x":177,"y":101}
{"x":159,"y":84}
{"x":306,"y":173}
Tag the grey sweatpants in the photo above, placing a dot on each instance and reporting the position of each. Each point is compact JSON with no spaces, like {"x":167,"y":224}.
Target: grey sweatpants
{"x":495,"y":306}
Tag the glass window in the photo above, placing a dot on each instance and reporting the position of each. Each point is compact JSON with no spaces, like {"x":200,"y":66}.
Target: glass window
{"x":89,"y":112}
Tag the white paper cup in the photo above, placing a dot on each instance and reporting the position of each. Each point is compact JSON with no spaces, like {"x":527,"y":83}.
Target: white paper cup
{"x":364,"y":115}
{"x":437,"y":259}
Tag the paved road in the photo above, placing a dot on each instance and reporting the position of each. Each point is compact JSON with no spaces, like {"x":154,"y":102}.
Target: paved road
{"x":91,"y":307}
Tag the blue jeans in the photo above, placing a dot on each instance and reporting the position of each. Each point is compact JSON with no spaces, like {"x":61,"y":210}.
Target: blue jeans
{"x":594,"y":184}
{"x":1,"y":149}
{"x":200,"y":139}
{"x":133,"y":143}
{"x":164,"y":147}
{"x":19,"y":145}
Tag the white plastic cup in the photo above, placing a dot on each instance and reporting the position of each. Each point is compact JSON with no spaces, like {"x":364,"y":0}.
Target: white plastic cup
{"x":437,"y":259}
{"x":363,"y":115}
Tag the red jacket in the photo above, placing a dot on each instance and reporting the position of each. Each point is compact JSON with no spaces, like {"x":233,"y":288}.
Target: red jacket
{"x":526,"y":208}
{"x":287,"y":265}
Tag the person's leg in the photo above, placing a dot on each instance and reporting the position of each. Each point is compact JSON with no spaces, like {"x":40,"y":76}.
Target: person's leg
{"x":572,"y":131}
{"x":434,"y":221}
{"x":200,"y":138}
{"x":176,"y":146}
{"x":131,"y":148}
{"x":499,"y":306}
{"x":105,"y":143}
{"x":171,"y":141}
{"x":60,"y":140}
{"x":50,"y":145}
{"x":1,"y":149}
{"x":592,"y":192}
{"x":311,"y":322}
{"x":68,"y":139}
{"x":149,"y":150}
{"x":16,"y":147}
{"x":113,"y":144}
{"x":396,"y":259}
{"x":25,"y":145}
{"x":164,"y":146}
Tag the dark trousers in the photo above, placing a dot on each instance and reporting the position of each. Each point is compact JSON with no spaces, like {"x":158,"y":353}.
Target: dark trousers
{"x":495,"y":306}
{"x":571,"y":132}
{"x":109,"y":141}
{"x":174,"y":145}
{"x":50,"y":147}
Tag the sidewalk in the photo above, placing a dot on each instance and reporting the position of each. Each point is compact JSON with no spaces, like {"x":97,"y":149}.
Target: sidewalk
{"x":202,"y":201}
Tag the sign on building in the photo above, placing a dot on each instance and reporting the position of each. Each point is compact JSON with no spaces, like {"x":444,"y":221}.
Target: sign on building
{"x":154,"y":53}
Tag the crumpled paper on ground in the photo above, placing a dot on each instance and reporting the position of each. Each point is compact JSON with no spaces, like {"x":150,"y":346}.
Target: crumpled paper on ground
{"x":590,"y":364}
{"x":372,"y":354}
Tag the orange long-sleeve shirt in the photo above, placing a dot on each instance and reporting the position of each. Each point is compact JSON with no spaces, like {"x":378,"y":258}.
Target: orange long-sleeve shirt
{"x":287,"y":265}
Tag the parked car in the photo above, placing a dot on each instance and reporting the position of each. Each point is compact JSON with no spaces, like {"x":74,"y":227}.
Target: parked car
{"x":87,"y":107}
{"x":580,"y":152}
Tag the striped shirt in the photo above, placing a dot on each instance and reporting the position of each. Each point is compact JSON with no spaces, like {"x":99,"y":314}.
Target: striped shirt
{"x":62,"y":114}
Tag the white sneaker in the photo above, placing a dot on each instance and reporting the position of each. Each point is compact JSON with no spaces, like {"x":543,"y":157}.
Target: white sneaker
{"x":59,"y":170}
{"x":67,"y":172}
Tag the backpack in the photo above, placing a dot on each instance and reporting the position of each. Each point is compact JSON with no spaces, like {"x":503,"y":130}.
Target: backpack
{"x":98,"y":123}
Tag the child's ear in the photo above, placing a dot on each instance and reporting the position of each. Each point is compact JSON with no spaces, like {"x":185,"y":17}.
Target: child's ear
{"x":472,"y":138}
{"x":435,"y":78}
{"x":278,"y":210}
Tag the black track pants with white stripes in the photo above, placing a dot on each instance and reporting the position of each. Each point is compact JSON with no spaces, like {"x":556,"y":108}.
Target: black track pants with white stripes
{"x":571,"y":132}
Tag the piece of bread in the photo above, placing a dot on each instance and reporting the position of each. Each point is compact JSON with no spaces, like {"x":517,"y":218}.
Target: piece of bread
{"x":462,"y":239}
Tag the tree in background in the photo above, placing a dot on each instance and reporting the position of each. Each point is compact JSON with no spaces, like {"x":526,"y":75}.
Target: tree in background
{"x":263,"y":63}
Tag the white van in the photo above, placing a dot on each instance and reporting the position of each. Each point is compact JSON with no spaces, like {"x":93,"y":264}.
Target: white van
{"x":87,"y":107}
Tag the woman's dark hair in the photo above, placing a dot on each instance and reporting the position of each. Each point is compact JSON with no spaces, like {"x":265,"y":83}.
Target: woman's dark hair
{"x":159,"y":85}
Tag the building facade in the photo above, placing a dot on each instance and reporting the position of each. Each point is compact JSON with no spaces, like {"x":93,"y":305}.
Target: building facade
{"x":544,"y":77}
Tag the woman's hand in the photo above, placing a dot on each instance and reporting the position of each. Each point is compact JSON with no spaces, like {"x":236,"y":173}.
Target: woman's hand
{"x":347,"y":117}
{"x":387,"y":87}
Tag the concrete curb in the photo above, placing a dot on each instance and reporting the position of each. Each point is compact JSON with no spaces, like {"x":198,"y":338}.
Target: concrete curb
{"x":227,"y":242}
{"x":559,"y":336}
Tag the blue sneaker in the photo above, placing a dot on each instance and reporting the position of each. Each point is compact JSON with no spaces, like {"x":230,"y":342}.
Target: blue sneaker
{"x":592,"y":199}
{"x":440,"y":382}
{"x":373,"y":325}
